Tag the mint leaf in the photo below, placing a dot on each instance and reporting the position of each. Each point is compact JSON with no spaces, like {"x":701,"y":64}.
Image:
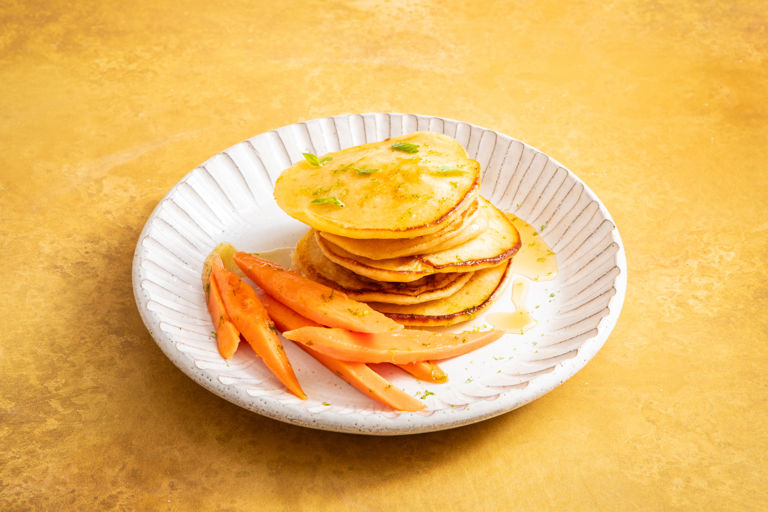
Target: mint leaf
{"x":312,"y":159}
{"x":405,"y":147}
{"x":329,"y":200}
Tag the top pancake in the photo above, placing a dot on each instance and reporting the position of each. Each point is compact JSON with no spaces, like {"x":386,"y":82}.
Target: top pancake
{"x":379,"y":191}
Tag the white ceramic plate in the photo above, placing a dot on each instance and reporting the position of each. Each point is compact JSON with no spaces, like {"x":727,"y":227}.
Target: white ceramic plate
{"x":229,"y":198}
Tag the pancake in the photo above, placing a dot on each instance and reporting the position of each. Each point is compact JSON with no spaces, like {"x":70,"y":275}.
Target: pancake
{"x":309,"y":260}
{"x":499,"y":242}
{"x":458,"y":230}
{"x":481,"y":291}
{"x":370,"y":191}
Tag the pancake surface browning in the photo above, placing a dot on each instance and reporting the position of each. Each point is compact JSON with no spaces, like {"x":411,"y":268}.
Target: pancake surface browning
{"x":480,"y":292}
{"x":369,"y":191}
{"x":310,"y":261}
{"x":458,"y":230}
{"x":499,"y":242}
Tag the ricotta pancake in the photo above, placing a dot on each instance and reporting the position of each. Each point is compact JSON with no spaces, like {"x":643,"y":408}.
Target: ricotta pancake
{"x":499,"y":242}
{"x":481,"y":291}
{"x":309,"y":260}
{"x":458,"y":230}
{"x":403,"y":187}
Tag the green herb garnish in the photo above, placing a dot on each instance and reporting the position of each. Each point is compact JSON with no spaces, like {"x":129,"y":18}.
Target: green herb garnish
{"x":405,"y":147}
{"x":312,"y":159}
{"x":366,"y":171}
{"x":329,"y":200}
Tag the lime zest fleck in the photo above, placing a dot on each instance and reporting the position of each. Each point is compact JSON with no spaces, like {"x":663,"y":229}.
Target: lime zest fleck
{"x":366,"y":171}
{"x":449,"y":170}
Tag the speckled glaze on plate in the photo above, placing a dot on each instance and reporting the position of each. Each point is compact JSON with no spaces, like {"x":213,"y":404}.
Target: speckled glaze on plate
{"x":229,"y":198}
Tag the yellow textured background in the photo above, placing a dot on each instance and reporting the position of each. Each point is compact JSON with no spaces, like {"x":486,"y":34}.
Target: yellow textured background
{"x":660,"y":107}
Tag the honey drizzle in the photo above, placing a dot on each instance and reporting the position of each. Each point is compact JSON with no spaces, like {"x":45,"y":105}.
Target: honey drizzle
{"x":519,"y":321}
{"x":535,"y":261}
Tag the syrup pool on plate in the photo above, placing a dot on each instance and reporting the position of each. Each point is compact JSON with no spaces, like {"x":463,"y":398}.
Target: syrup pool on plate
{"x":520,"y":320}
{"x":280,"y":256}
{"x":535,"y":261}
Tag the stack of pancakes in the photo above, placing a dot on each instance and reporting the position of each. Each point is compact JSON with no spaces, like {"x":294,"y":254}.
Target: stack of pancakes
{"x":400,"y":224}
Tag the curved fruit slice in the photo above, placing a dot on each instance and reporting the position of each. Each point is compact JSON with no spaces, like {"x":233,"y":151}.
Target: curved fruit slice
{"x":358,"y":375}
{"x":315,"y":301}
{"x":251,"y":319}
{"x":426,"y":370}
{"x":406,"y":346}
{"x":227,"y":335}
